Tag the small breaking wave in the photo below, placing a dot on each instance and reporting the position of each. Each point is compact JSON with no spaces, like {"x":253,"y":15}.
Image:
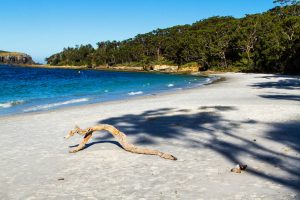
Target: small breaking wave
{"x":171,"y":85}
{"x":210,"y":80}
{"x":51,"y":105}
{"x":10,"y":104}
{"x":135,"y":93}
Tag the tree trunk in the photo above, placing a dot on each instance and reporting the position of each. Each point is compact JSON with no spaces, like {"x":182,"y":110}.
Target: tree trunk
{"x":248,"y":49}
{"x":158,"y":53}
{"x":224,"y":59}
{"x":121,"y":138}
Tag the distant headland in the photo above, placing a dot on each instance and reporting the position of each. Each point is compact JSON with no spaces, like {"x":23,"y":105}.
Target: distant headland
{"x":15,"y":58}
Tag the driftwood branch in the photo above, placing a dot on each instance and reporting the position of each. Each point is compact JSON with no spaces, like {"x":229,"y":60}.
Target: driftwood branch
{"x":120,"y":137}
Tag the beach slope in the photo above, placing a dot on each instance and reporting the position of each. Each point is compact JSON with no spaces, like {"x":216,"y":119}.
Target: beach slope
{"x":252,"y":119}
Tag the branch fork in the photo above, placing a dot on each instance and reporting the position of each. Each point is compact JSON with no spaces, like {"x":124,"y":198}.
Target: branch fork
{"x":119,"y":136}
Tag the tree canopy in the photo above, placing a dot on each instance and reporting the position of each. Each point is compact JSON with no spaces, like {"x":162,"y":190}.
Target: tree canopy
{"x":267,"y":42}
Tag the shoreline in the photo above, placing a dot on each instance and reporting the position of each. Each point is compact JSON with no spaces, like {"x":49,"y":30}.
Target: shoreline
{"x":116,"y":101}
{"x":126,"y":69}
{"x":249,"y":119}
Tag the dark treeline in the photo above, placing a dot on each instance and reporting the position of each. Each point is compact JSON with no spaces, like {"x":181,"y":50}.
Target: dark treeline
{"x":267,"y":42}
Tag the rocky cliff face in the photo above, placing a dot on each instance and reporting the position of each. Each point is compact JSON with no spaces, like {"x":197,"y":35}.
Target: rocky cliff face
{"x":15,"y":58}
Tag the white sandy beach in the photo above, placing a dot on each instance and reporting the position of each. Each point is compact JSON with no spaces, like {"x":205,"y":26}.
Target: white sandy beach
{"x":248,"y":118}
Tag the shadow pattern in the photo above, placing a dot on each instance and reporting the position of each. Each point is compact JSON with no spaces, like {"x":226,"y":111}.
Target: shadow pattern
{"x":281,"y":97}
{"x":209,"y":129}
{"x":283,"y":82}
{"x":280,"y":82}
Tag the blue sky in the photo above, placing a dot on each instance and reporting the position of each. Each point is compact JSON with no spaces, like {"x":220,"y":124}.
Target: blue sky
{"x":43,"y":27}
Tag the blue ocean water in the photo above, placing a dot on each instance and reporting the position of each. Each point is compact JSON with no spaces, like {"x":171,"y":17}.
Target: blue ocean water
{"x":24,"y":89}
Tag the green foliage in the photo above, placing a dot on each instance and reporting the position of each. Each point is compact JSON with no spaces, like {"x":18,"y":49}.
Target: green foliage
{"x":267,"y":42}
{"x":190,"y":64}
{"x":230,"y":68}
{"x":159,"y":61}
{"x":287,"y":2}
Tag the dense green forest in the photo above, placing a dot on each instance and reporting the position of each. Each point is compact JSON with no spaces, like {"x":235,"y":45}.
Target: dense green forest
{"x":267,"y":42}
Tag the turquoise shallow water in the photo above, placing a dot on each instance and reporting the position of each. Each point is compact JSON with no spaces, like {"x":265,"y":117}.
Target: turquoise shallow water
{"x":35,"y":89}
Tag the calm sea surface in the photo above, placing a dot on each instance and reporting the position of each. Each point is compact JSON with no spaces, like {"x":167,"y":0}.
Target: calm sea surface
{"x":35,"y":89}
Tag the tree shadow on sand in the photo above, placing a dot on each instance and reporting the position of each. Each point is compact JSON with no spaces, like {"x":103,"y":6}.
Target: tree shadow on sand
{"x":280,"y":82}
{"x":209,"y":129}
{"x":281,"y":96}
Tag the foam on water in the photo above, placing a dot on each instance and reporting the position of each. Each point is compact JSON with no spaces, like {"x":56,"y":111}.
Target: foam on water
{"x":52,"y":105}
{"x":10,"y":104}
{"x":135,"y":93}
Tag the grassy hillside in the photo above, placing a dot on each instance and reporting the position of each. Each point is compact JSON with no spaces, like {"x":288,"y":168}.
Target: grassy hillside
{"x":6,"y":53}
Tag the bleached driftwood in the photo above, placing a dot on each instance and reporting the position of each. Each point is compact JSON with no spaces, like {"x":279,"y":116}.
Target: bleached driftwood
{"x":121,"y":138}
